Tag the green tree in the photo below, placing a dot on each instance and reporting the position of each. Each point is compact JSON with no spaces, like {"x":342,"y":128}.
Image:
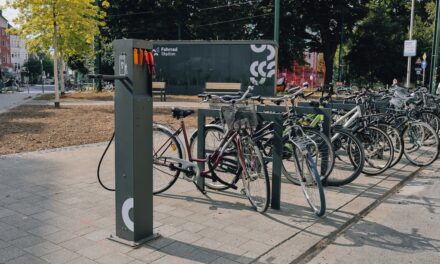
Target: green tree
{"x":65,"y":27}
{"x":376,"y":47}
{"x":324,"y":21}
{"x":33,"y":66}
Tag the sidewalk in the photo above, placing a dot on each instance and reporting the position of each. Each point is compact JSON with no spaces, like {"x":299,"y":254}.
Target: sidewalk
{"x":53,"y":210}
{"x":403,"y":229}
{"x":11,"y":100}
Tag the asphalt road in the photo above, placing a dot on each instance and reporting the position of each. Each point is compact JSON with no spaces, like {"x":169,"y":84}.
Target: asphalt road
{"x":403,"y":229}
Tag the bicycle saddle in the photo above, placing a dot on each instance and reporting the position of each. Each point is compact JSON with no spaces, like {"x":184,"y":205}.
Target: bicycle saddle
{"x":181,"y":113}
{"x":277,"y":101}
{"x":314,"y":104}
{"x":415,"y":101}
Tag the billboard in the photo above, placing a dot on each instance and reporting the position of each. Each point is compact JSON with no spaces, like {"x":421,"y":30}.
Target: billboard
{"x":186,"y":66}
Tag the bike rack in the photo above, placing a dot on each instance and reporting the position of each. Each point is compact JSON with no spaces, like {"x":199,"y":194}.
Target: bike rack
{"x":306,"y":109}
{"x":276,"y":154}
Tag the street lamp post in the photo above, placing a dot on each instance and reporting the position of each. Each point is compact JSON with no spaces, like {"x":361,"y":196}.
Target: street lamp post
{"x":411,"y":26}
{"x":42,"y":75}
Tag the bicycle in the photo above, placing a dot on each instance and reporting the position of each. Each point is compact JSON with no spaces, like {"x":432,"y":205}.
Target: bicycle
{"x":236,"y":142}
{"x":298,"y":160}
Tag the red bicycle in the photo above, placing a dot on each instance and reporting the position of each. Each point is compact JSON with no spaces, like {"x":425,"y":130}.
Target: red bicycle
{"x":235,"y":154}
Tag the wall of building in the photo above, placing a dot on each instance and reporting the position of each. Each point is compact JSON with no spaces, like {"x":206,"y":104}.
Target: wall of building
{"x":19,"y":54}
{"x":5,"y":46}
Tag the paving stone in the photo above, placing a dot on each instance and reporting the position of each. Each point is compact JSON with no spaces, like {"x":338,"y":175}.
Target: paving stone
{"x":98,"y":235}
{"x":60,"y":256}
{"x":148,"y":257}
{"x":94,"y":252}
{"x":81,"y":260}
{"x":173,"y":259}
{"x":187,"y":237}
{"x":27,"y":241}
{"x":77,"y":243}
{"x":223,"y":261}
{"x":115,"y":258}
{"x":255,"y":247}
{"x":44,"y":230}
{"x":9,"y":253}
{"x":60,"y":236}
{"x":12,"y":234}
{"x":42,"y":249}
{"x":26,"y":259}
{"x":6,"y":212}
{"x":193,"y":227}
{"x":45,"y":215}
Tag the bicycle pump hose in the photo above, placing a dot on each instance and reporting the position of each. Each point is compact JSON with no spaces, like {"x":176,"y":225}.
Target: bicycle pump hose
{"x":100,"y":162}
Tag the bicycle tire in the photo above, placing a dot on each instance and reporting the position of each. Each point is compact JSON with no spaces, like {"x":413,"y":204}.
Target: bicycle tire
{"x":378,"y":149}
{"x":325,"y":153}
{"x":412,"y":136}
{"x":254,"y":169}
{"x":228,"y":170}
{"x":160,"y":136}
{"x":310,"y":182}
{"x":396,"y":140}
{"x":353,"y":169}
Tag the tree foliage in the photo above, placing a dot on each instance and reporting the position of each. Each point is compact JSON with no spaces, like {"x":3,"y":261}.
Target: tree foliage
{"x":33,"y":66}
{"x":65,"y":27}
{"x":373,"y":30}
{"x":376,"y":48}
{"x":71,"y":23}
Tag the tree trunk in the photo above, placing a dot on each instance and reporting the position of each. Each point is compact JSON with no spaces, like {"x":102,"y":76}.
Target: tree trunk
{"x":55,"y":77}
{"x":329,"y":60}
{"x":55,"y":59}
{"x":63,"y":91}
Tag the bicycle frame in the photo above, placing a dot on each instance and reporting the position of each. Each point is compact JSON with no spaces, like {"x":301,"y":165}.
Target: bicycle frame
{"x":215,"y":157}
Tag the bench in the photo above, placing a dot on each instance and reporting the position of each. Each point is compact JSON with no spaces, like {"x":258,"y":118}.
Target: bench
{"x":222,"y":88}
{"x":159,"y":88}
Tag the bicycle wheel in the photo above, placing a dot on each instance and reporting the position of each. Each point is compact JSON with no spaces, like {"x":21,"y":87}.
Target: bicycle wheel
{"x":254,"y":175}
{"x":323,"y":157}
{"x":349,"y":158}
{"x":228,"y":169}
{"x":310,"y":180}
{"x":378,"y":149}
{"x":165,"y":145}
{"x":421,"y":143}
{"x":431,"y":119}
{"x":396,"y":140}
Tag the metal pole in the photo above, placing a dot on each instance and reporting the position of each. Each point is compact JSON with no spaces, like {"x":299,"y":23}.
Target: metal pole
{"x":276,"y":29}
{"x":341,"y":51}
{"x":411,"y":25}
{"x":435,"y":44}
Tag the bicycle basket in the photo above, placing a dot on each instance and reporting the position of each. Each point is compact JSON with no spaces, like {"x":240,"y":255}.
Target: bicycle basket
{"x":238,"y":117}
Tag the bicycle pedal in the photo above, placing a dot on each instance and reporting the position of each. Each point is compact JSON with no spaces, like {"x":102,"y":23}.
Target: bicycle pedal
{"x":242,"y":191}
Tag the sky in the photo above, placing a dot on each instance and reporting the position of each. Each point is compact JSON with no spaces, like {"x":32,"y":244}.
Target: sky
{"x":9,"y":14}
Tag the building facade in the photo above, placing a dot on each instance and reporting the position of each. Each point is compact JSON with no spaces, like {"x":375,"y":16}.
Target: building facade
{"x":19,"y":54}
{"x":5,"y":44}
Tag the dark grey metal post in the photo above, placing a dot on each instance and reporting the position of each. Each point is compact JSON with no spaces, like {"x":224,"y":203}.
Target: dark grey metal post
{"x":133,"y":144}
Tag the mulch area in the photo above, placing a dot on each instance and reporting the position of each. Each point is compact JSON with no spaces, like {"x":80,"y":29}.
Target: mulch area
{"x":30,"y":128}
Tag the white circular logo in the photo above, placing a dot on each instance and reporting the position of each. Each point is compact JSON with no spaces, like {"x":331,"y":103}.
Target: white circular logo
{"x":260,"y":71}
{"x":126,"y":207}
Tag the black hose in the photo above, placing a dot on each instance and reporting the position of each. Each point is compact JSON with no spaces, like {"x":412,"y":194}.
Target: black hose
{"x":99,"y":164}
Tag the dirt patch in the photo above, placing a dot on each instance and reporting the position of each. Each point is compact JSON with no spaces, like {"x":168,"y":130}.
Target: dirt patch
{"x":108,"y":96}
{"x":86,"y":95}
{"x":29,"y":128}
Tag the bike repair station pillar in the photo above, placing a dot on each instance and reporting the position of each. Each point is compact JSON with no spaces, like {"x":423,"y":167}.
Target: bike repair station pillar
{"x":134,"y":65}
